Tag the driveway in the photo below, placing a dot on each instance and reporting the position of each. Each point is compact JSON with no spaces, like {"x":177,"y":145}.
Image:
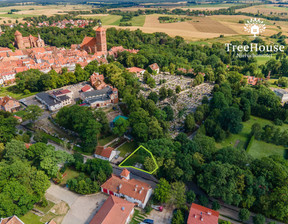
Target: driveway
{"x":163,"y":217}
{"x":82,"y":207}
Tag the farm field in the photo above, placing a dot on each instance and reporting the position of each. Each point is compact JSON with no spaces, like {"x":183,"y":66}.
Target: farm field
{"x":37,"y":10}
{"x":270,"y":10}
{"x":201,"y":28}
{"x":240,"y":140}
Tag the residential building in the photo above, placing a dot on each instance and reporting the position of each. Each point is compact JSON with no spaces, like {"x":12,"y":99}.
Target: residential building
{"x":252,"y":80}
{"x":282,"y":94}
{"x":86,"y":88}
{"x":97,"y":81}
{"x":132,"y":190}
{"x":9,"y":104}
{"x":100,"y":98}
{"x":95,"y":44}
{"x":63,"y":92}
{"x":11,"y":220}
{"x":199,"y":214}
{"x":105,"y":153}
{"x":138,"y":71}
{"x":154,"y":68}
{"x":53,"y":102}
{"x":19,"y":119}
{"x":27,"y":42}
{"x":114,"y":210}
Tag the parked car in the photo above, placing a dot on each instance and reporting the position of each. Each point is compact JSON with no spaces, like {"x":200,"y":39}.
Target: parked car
{"x":157,"y":207}
{"x":149,"y":221}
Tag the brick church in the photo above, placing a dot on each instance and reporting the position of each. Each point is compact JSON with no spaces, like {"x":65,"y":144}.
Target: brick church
{"x":95,"y":44}
{"x":27,"y":42}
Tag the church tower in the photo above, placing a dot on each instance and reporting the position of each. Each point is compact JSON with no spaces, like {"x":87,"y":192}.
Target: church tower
{"x":19,"y":40}
{"x":101,"y":40}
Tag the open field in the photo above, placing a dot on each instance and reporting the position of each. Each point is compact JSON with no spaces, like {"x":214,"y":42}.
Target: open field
{"x":240,"y":140}
{"x":261,"y":149}
{"x":202,"y":28}
{"x":37,"y":10}
{"x":4,"y":91}
{"x":269,"y":10}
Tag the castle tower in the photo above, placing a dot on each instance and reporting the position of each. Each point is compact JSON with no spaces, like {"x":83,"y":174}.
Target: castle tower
{"x":101,"y":39}
{"x":19,"y":40}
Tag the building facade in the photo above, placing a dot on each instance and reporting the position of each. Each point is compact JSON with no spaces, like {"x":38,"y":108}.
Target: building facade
{"x":105,"y":153}
{"x":132,"y":190}
{"x":95,"y":44}
{"x":27,"y":42}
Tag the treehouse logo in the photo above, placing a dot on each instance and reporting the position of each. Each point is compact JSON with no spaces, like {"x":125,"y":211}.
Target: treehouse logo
{"x":254,"y":26}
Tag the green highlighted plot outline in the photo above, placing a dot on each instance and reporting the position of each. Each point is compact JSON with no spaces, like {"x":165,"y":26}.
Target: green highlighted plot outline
{"x":120,"y":165}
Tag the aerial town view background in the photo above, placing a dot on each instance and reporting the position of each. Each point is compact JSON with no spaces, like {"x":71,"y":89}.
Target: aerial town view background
{"x":145,"y":111}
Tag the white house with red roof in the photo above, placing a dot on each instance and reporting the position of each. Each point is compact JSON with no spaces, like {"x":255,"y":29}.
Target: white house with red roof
{"x":105,"y":153}
{"x":11,"y":220}
{"x":138,"y":71}
{"x":199,"y":215}
{"x":154,"y":67}
{"x":132,"y":190}
{"x":114,"y":210}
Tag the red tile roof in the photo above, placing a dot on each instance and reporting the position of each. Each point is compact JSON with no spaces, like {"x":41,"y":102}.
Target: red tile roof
{"x":199,"y":215}
{"x":102,"y":151}
{"x":88,"y":41}
{"x":135,"y":70}
{"x":133,"y":188}
{"x":125,"y":173}
{"x":11,"y":220}
{"x":86,"y":88}
{"x":114,"y":210}
{"x":154,"y":66}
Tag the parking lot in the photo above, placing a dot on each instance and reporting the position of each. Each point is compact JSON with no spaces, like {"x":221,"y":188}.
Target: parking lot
{"x":82,"y":207}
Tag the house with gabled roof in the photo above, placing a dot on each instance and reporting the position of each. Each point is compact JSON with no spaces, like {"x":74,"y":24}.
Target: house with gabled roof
{"x":154,"y":68}
{"x":9,"y":104}
{"x":105,"y":153}
{"x":114,"y":210}
{"x":11,"y":220}
{"x":132,"y":190}
{"x":199,"y":215}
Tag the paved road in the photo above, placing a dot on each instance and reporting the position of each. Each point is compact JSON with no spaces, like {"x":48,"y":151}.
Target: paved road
{"x":82,"y":207}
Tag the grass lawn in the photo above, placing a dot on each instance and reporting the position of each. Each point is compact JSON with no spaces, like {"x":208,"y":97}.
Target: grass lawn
{"x":137,"y":217}
{"x":45,"y":209}
{"x":11,"y":91}
{"x":57,"y":140}
{"x":31,"y":218}
{"x":261,"y":149}
{"x":242,"y":137}
{"x":263,"y":60}
{"x":106,"y":140}
{"x":128,"y":147}
{"x":138,"y":20}
{"x":20,"y":113}
{"x":69,"y":174}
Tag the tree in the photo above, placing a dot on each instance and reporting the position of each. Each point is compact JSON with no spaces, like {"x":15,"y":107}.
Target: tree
{"x":178,"y":218}
{"x":162,"y":191}
{"x":7,"y":128}
{"x":244,"y":214}
{"x":177,"y":194}
{"x":191,"y":196}
{"x":218,"y":101}
{"x":15,"y":150}
{"x":259,"y":219}
{"x":231,"y":120}
{"x":163,"y":93}
{"x":32,"y":112}
{"x":189,"y":123}
{"x":153,"y":96}
{"x":169,"y":112}
{"x":120,"y":126}
{"x":203,"y":200}
{"x":215,"y":205}
{"x":178,"y":89}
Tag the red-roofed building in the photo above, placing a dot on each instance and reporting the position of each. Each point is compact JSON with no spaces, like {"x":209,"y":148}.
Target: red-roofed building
{"x":199,"y":215}
{"x":19,"y":119}
{"x":27,"y":42}
{"x":105,"y":153}
{"x":86,"y":88}
{"x":138,"y":71}
{"x":95,"y":44}
{"x":114,"y":210}
{"x":11,"y":220}
{"x":252,"y":80}
{"x":154,"y":67}
{"x":51,"y":222}
{"x":132,"y":190}
{"x":9,"y":104}
{"x":97,"y":81}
